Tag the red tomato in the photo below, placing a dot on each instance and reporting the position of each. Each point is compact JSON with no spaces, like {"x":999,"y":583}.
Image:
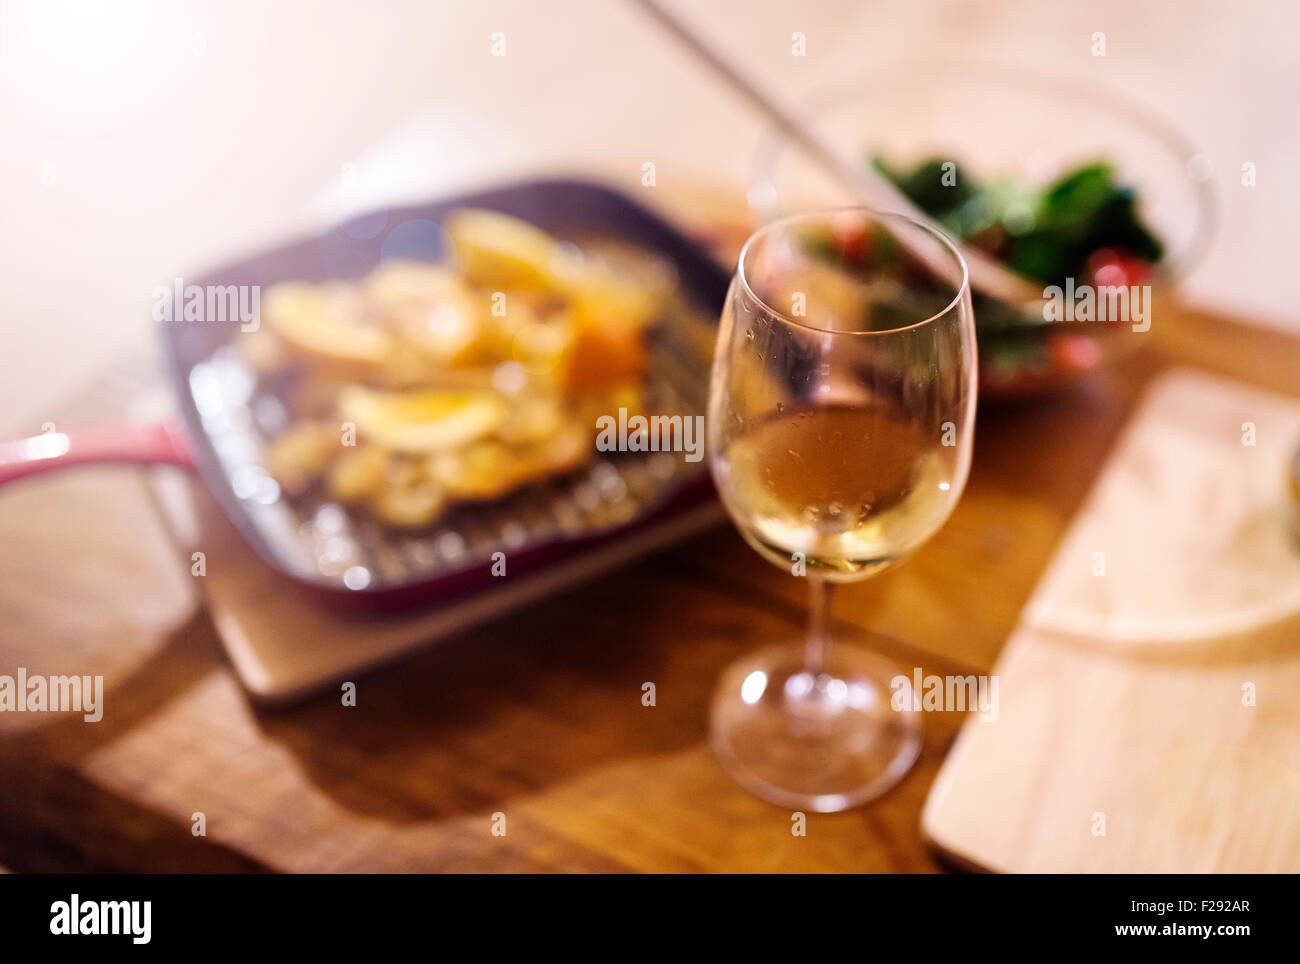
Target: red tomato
{"x":1117,"y":268}
{"x":851,"y":239}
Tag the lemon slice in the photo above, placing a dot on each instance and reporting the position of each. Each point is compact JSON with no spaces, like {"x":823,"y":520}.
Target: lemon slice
{"x":500,"y":252}
{"x":308,"y":318}
{"x":425,"y":421}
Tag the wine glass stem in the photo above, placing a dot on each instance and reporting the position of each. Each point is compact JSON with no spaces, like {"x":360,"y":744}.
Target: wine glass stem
{"x":821,"y":593}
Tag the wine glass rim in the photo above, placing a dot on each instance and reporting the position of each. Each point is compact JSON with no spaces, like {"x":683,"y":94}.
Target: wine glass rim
{"x":876,"y":214}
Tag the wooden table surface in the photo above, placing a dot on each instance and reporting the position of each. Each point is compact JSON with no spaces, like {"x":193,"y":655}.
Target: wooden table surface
{"x":537,"y":716}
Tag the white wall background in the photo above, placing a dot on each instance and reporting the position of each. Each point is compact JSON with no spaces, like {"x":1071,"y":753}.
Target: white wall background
{"x":145,"y":138}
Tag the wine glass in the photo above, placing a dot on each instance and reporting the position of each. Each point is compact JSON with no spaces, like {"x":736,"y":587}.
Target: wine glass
{"x":840,"y":424}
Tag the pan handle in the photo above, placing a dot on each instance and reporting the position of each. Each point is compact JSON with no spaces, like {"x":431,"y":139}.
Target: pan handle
{"x":163,"y":443}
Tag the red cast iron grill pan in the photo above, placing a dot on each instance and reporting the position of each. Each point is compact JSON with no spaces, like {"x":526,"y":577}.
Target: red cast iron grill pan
{"x":343,"y":559}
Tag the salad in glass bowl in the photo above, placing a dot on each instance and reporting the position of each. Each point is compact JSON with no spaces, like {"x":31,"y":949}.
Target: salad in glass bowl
{"x":1071,"y":188}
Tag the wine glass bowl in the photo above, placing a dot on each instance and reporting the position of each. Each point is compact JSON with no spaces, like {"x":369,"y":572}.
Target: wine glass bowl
{"x":841,"y":410}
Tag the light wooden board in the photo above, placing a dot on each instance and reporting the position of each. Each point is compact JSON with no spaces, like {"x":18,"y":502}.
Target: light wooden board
{"x":1124,"y":694}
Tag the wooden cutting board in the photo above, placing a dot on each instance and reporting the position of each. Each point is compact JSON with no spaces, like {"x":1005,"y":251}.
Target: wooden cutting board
{"x":1147,"y":716}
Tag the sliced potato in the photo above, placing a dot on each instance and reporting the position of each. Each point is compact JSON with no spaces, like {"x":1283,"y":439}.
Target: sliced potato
{"x":296,"y":459}
{"x":569,"y":447}
{"x":448,"y":331}
{"x":410,"y":506}
{"x":499,"y":252}
{"x":401,"y":472}
{"x":477,"y":473}
{"x":316,"y":322}
{"x":358,"y":474}
{"x":602,"y":298}
{"x":430,"y":306}
{"x":421,"y":421}
{"x":533,"y":418}
{"x":499,"y":330}
{"x":396,"y":284}
{"x":544,"y":347}
{"x":405,"y":368}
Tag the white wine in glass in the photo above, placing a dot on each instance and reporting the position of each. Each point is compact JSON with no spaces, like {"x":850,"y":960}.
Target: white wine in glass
{"x":841,"y":410}
{"x":851,"y":488}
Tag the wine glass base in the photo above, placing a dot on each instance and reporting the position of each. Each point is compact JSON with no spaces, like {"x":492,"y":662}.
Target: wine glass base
{"x":819,"y":742}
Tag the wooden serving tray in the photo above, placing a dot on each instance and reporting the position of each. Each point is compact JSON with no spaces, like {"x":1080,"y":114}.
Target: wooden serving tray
{"x":1126,"y":740}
